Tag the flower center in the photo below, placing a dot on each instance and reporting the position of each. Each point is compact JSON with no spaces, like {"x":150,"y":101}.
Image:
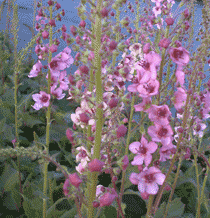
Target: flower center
{"x":161,"y":113}
{"x":44,"y":99}
{"x":142,"y":150}
{"x":83,"y":154}
{"x":178,"y":54}
{"x":162,"y":132}
{"x":149,"y":178}
{"x":53,"y":64}
{"x":149,"y":88}
{"x":136,"y":47}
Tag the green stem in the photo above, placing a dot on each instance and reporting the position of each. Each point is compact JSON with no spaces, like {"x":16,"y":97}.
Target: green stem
{"x":162,"y":63}
{"x":117,"y":36}
{"x":174,"y":186}
{"x":198,"y":185}
{"x":99,"y":111}
{"x":15,"y":41}
{"x":127,"y":147}
{"x":47,"y":127}
{"x":149,"y":206}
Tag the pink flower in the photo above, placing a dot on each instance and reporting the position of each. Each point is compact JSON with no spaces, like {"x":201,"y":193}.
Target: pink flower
{"x":121,"y":131}
{"x":180,"y":75}
{"x":165,"y":152}
{"x":36,"y":69}
{"x":53,"y":48}
{"x":149,"y":179}
{"x":42,"y":100}
{"x":82,"y":167}
{"x":83,"y":154}
{"x":151,"y":62}
{"x":144,"y":105}
{"x":61,"y":61}
{"x":63,"y":81}
{"x":159,"y":114}
{"x":45,"y":34}
{"x":146,"y":48}
{"x":180,"y":98}
{"x":179,"y":55}
{"x":143,"y":151}
{"x":161,"y":133}
{"x":134,"y":178}
{"x":148,"y":89}
{"x":57,"y":92}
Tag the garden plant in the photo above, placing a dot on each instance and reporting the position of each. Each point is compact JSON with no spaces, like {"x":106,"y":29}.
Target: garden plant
{"x":105,"y":163}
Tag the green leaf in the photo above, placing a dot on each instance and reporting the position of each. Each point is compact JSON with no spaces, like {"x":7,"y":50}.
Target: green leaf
{"x":71,"y":213}
{"x":29,"y":119}
{"x":57,"y":131}
{"x":52,"y":209}
{"x":28,"y":206}
{"x":176,"y":208}
{"x":110,"y":211}
{"x":9,"y":178}
{"x":2,"y":124}
{"x":25,"y":100}
{"x":160,"y":211}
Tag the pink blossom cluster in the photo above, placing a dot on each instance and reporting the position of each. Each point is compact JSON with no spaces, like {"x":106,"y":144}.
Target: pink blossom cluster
{"x":140,"y":67}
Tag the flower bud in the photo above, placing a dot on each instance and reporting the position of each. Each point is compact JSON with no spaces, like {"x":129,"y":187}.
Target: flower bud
{"x":57,"y":6}
{"x":187,"y":25}
{"x":144,"y":196}
{"x":75,"y":180}
{"x":95,"y":204}
{"x":73,"y":30}
{"x":146,"y":48}
{"x":53,"y":48}
{"x":62,"y":12}
{"x":112,"y":13}
{"x":113,"y":103}
{"x":78,"y":39}
{"x":112,"y":45}
{"x":45,"y":34}
{"x":186,"y":13}
{"x":164,"y":43}
{"x":95,"y":165}
{"x":169,"y":21}
{"x":167,"y":187}
{"x":107,"y":199}
{"x":71,"y":80}
{"x":114,"y":178}
{"x":82,"y":24}
{"x":121,"y":131}
{"x":52,"y":22}
{"x":69,"y":135}
{"x":91,"y":138}
{"x":104,"y":12}
{"x":84,"y":69}
{"x":178,"y":43}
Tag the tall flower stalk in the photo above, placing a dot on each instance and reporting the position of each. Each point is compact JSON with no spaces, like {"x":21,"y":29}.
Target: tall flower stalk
{"x":46,"y":150}
{"x":99,"y":114}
